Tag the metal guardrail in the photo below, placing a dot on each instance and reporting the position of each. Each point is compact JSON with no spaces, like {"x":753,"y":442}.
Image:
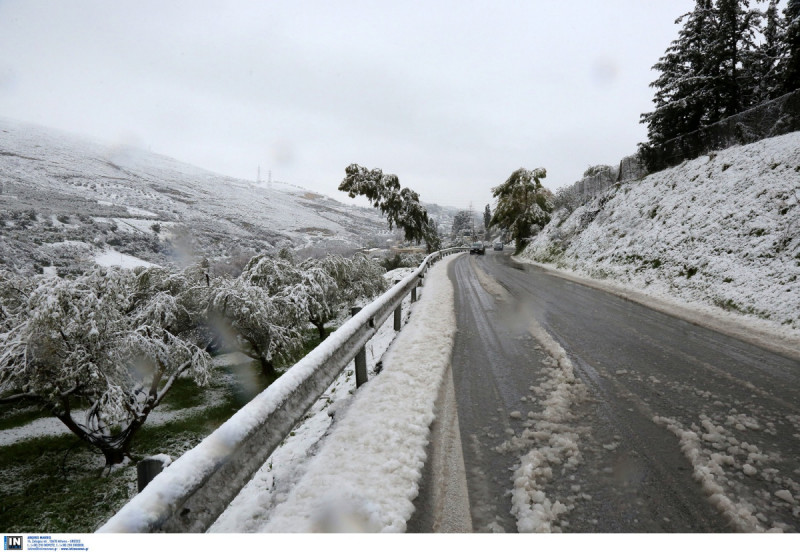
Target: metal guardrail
{"x":190,"y":494}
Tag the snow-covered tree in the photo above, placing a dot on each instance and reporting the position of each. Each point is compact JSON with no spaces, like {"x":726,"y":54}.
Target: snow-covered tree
{"x":106,"y":343}
{"x":276,"y":297}
{"x":14,"y":292}
{"x":401,"y":206}
{"x":336,"y":283}
{"x":522,"y":204}
{"x":191,"y":289}
{"x":766,"y":60}
{"x":567,"y":198}
{"x":732,"y":48}
{"x":487,"y":217}
{"x":433,"y":241}
{"x":716,"y":68}
{"x":684,"y":87}
{"x":268,"y":324}
{"x":790,"y":66}
{"x":266,"y":307}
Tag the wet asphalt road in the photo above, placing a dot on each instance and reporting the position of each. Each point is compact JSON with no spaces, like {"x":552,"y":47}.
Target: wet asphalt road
{"x":680,"y":429}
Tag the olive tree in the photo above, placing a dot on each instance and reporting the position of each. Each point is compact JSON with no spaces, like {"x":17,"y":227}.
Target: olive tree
{"x":99,"y":351}
{"x":265,"y":307}
{"x":335,"y":283}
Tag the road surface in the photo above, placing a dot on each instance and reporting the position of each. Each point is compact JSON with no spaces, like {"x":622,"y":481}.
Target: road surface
{"x":579,"y":411}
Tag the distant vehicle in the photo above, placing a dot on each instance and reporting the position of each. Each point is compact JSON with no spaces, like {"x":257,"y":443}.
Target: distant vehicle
{"x":477,"y":248}
{"x":498,"y":246}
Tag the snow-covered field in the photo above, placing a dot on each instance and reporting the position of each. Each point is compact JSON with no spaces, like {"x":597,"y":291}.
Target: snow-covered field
{"x":721,"y":232}
{"x":109,"y":257}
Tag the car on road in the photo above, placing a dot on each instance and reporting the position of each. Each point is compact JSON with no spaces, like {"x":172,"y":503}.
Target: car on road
{"x":498,"y":246}
{"x":477,"y":248}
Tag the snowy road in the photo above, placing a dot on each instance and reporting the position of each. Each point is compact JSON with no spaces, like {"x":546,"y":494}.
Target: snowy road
{"x":580,"y":411}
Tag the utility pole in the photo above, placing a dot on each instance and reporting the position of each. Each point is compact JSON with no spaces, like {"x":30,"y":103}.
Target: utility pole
{"x":472,"y":222}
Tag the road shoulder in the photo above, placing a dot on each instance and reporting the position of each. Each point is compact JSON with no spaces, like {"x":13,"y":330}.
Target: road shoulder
{"x":782,"y":341}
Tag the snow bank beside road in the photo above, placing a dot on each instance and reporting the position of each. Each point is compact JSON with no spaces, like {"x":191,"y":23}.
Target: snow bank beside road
{"x":367,"y":474}
{"x":721,"y":231}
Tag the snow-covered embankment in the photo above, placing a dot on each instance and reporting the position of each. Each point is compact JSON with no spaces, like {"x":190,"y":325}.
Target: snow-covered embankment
{"x":721,"y":232}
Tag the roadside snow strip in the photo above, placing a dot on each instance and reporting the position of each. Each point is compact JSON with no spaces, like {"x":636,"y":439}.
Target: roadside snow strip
{"x":367,"y":473}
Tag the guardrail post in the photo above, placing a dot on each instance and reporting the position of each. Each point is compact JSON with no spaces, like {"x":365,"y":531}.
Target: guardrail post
{"x":414,"y":295}
{"x":398,"y":314}
{"x":147,"y":470}
{"x":360,"y":359}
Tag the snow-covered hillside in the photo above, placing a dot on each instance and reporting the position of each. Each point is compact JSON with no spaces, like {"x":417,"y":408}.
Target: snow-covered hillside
{"x":61,"y":189}
{"x":722,"y":230}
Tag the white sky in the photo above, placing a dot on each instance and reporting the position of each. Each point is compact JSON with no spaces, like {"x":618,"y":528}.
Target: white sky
{"x":452,"y":96}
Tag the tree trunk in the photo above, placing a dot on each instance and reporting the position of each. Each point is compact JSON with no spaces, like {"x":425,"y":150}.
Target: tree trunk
{"x":267,"y":367}
{"x":323,"y":333}
{"x":113,"y":455}
{"x":114,"y":450}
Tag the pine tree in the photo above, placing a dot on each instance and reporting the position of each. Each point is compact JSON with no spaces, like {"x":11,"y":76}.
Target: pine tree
{"x":790,"y":67}
{"x":711,"y":71}
{"x":684,"y":88}
{"x":731,"y":52}
{"x":767,"y":57}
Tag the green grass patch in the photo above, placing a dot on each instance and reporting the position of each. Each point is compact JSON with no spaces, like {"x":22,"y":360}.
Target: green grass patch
{"x":54,"y":484}
{"x":57,"y":484}
{"x":185,"y":393}
{"x":554,"y":254}
{"x":178,"y":436}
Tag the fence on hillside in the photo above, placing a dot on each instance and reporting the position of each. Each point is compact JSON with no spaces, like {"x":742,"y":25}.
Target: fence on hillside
{"x":773,"y":118}
{"x":191,"y":493}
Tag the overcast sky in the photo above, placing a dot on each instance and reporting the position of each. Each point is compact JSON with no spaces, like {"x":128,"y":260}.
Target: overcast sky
{"x":452,"y":96}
